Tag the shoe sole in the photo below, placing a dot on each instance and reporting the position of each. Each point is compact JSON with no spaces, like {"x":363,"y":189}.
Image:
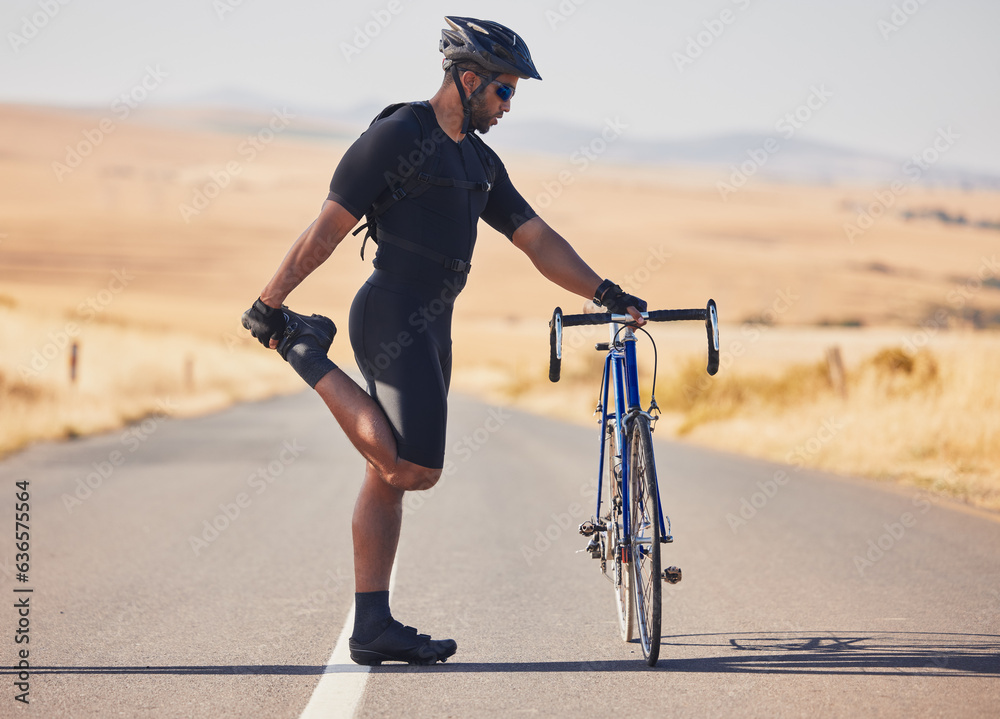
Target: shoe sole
{"x":375,"y":659}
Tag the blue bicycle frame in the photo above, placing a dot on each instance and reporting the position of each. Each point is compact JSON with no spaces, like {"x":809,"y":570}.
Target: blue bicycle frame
{"x":620,"y":370}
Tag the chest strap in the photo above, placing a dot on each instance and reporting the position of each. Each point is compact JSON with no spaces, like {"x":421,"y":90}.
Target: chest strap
{"x":448,"y":263}
{"x":414,"y":187}
{"x":450,"y":182}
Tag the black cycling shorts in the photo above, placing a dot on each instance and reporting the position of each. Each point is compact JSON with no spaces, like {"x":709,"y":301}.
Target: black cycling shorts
{"x":400,"y":331}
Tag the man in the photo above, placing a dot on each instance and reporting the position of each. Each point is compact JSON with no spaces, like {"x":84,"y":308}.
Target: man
{"x":424,"y":180}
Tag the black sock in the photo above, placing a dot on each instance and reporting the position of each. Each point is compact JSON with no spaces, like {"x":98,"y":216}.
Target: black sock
{"x":309,"y":360}
{"x":371,"y":615}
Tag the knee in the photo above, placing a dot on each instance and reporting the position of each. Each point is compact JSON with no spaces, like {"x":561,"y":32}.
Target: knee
{"x":414,"y":478}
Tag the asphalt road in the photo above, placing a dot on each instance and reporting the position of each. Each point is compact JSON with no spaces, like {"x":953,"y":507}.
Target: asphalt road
{"x":207,"y":573}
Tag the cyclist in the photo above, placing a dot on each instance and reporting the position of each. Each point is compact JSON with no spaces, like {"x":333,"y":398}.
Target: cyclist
{"x":400,"y":320}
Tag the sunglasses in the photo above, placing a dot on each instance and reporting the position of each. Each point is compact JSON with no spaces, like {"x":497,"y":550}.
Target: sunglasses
{"x":504,"y":91}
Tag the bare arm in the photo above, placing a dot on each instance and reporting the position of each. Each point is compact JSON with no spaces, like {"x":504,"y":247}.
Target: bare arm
{"x":556,"y":259}
{"x":553,"y":256}
{"x":308,"y":252}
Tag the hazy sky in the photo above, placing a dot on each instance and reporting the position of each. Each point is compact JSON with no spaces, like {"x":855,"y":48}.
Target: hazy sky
{"x":882,"y":75}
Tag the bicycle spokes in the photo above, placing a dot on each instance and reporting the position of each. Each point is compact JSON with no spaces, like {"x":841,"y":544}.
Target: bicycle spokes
{"x":645,"y":538}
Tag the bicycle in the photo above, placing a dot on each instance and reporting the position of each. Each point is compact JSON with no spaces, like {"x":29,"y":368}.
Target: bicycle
{"x":628,"y":534}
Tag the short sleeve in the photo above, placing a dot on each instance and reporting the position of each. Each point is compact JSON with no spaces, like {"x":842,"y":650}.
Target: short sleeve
{"x":506,"y":209}
{"x":364,"y":171}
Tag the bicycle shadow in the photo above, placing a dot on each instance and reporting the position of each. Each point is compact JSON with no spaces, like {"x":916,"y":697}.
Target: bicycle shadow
{"x":835,"y":652}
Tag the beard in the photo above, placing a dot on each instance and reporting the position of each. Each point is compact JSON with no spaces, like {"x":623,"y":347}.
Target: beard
{"x":480,"y":116}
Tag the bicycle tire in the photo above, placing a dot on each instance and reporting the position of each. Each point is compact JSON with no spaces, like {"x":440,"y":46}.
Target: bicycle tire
{"x":645,"y":539}
{"x":621,"y":578}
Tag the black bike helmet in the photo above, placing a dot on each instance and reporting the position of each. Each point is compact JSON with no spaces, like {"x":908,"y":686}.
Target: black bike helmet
{"x":489,"y":44}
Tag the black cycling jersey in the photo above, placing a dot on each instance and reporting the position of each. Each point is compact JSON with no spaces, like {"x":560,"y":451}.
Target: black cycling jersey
{"x":400,"y":321}
{"x":443,"y":219}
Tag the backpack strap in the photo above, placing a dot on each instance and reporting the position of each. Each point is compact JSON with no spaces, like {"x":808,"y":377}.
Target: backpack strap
{"x":450,"y":182}
{"x":412,"y":186}
{"x":449,"y":263}
{"x":418,"y":182}
{"x":485,"y":157}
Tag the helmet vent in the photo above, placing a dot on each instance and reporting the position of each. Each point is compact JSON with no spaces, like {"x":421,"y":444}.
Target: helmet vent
{"x":488,"y":44}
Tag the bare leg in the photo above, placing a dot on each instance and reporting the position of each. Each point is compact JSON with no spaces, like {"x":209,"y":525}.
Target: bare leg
{"x":367,"y":427}
{"x":378,"y":514}
{"x":379,"y":508}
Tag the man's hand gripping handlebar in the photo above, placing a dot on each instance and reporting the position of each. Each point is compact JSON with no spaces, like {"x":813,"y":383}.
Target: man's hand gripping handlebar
{"x":709,"y":315}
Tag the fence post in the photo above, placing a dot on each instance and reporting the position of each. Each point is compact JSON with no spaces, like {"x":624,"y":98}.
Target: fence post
{"x":835,"y":370}
{"x":73,"y":357}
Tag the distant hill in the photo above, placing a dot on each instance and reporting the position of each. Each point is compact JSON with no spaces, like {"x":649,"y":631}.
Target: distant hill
{"x":769,"y":156}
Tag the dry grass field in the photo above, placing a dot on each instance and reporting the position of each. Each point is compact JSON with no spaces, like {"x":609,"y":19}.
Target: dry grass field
{"x":102,"y":254}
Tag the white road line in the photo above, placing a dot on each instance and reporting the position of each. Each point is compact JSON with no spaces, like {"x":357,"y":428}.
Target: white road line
{"x":343,"y":682}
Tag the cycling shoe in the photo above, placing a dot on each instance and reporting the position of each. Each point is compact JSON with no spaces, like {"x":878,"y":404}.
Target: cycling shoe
{"x":402,"y":644}
{"x":299,"y":326}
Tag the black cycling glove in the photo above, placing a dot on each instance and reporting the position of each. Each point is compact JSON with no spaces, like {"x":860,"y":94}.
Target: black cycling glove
{"x":618,"y":301}
{"x":264,"y":322}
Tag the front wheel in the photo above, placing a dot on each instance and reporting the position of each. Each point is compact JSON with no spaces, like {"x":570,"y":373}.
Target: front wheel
{"x":621,"y":577}
{"x":644,"y":531}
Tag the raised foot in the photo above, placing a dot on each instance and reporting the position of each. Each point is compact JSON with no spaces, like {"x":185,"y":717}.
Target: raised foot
{"x":300,"y":326}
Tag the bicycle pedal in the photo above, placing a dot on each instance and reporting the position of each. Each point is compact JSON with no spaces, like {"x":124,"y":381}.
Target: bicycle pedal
{"x":666,"y":539}
{"x":672,"y":574}
{"x":588,"y":528}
